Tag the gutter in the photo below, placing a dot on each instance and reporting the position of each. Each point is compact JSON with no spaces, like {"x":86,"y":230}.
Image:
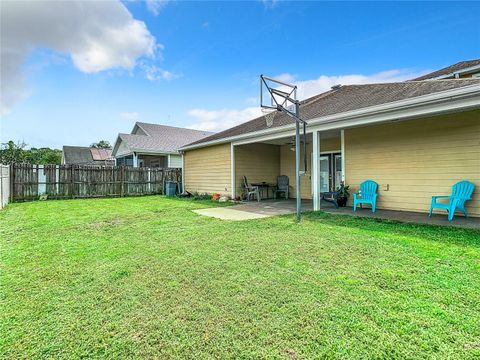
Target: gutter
{"x":429,"y":99}
{"x":454,"y":73}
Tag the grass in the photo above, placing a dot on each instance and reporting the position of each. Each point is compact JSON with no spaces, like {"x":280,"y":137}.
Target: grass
{"x":148,"y":278}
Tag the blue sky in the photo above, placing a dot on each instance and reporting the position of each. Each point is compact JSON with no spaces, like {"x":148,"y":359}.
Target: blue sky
{"x":196,"y":64}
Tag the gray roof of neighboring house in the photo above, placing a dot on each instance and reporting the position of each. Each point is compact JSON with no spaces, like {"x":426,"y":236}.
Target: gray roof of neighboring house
{"x":450,"y":69}
{"x":346,"y":98}
{"x":82,"y":155}
{"x":161,"y":138}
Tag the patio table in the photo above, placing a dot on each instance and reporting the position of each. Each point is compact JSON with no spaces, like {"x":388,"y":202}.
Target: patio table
{"x":264,"y":187}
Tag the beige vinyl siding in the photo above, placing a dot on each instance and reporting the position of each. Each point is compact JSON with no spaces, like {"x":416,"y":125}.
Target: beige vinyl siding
{"x":258,"y":162}
{"x":416,"y":159}
{"x":207,"y":170}
{"x":287,"y":165}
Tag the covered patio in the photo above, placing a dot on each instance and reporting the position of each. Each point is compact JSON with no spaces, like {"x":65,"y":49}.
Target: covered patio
{"x":261,"y":161}
{"x":269,"y":208}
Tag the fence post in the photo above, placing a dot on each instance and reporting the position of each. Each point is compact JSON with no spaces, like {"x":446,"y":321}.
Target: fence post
{"x":57,"y":179}
{"x":12,"y":181}
{"x":72,"y":185}
{"x":122,"y":181}
{"x":149,"y":182}
{"x":164,"y":174}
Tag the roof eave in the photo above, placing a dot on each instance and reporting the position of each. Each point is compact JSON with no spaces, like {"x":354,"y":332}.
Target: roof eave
{"x":429,"y":99}
{"x":453,"y":73}
{"x":155,"y":152}
{"x":117,"y":144}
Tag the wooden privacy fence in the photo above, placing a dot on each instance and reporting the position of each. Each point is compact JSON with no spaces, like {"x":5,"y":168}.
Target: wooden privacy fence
{"x":29,"y":182}
{"x":4,"y":185}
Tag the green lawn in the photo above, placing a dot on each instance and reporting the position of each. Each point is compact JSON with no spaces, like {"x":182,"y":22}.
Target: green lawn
{"x":148,"y":278}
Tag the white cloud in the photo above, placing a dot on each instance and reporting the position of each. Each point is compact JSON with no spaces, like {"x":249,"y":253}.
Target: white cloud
{"x":217,"y":120}
{"x":153,"y":72}
{"x":323,"y":83}
{"x":129,"y":115}
{"x":96,"y":35}
{"x":269,"y":4}
{"x":155,"y":6}
{"x":285,"y":77}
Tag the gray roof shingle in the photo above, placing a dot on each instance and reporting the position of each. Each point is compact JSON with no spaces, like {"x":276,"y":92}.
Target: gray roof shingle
{"x":346,"y":98}
{"x":449,"y":69}
{"x":162,"y":138}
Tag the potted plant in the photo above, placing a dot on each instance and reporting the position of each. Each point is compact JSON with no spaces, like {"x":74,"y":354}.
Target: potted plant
{"x":343,"y":193}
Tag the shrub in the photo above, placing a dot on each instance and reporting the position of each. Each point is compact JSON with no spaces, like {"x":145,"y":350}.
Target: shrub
{"x":201,"y":196}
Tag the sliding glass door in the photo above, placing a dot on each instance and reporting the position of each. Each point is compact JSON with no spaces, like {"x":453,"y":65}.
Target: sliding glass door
{"x":324,"y":173}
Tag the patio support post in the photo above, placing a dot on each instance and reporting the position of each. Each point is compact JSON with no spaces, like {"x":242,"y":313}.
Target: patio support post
{"x":232,"y":170}
{"x":183,"y":172}
{"x":316,"y":170}
{"x":342,"y":143}
{"x":297,"y":168}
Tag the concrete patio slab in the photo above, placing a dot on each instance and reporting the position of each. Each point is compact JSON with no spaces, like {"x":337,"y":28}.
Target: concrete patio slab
{"x":282,"y":207}
{"x":409,"y":217}
{"x":229,"y":213}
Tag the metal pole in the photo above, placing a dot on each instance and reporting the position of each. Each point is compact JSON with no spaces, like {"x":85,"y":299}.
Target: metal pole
{"x":297,"y":162}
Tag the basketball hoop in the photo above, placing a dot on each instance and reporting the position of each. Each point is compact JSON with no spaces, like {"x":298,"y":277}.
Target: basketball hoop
{"x":279,"y":96}
{"x":269,"y":116}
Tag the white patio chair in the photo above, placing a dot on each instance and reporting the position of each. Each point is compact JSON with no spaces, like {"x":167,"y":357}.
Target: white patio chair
{"x":250,"y":190}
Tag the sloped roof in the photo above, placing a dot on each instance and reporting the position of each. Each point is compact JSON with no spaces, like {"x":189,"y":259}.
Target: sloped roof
{"x":450,"y":69}
{"x":82,"y":155}
{"x":161,"y":138}
{"x":346,"y":98}
{"x":101,"y":154}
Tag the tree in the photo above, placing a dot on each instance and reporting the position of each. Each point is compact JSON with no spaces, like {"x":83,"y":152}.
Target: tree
{"x":102,"y":144}
{"x":44,"y":156}
{"x":12,"y":152}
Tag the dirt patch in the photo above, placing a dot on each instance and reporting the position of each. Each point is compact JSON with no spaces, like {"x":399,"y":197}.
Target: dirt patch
{"x":105,"y":223}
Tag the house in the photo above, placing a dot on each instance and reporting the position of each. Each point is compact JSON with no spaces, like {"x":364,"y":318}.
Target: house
{"x":154,"y":145}
{"x":460,"y":70}
{"x":414,"y":138}
{"x":80,"y":155}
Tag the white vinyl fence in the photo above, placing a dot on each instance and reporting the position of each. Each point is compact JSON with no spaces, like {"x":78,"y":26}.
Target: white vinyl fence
{"x":4,"y":185}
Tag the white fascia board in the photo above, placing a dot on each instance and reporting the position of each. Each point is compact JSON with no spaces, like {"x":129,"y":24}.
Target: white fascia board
{"x":277,"y":135}
{"x":467,"y":97}
{"x":459,"y":72}
{"x":402,"y":114}
{"x":152,"y":152}
{"x":137,"y":124}
{"x":124,"y":155}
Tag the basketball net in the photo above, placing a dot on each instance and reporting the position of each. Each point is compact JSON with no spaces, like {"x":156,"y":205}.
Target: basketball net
{"x":269,"y":116}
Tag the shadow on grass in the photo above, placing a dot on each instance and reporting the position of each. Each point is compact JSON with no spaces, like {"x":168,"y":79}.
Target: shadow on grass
{"x":438,"y":233}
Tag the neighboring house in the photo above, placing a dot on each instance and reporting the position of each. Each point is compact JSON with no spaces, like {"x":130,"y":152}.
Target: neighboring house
{"x":154,"y":145}
{"x":460,"y":70}
{"x":80,"y":155}
{"x":415,"y":139}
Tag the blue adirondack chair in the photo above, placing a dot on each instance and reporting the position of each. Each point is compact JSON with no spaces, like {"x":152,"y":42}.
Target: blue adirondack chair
{"x":461,"y":193}
{"x":366,"y":195}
